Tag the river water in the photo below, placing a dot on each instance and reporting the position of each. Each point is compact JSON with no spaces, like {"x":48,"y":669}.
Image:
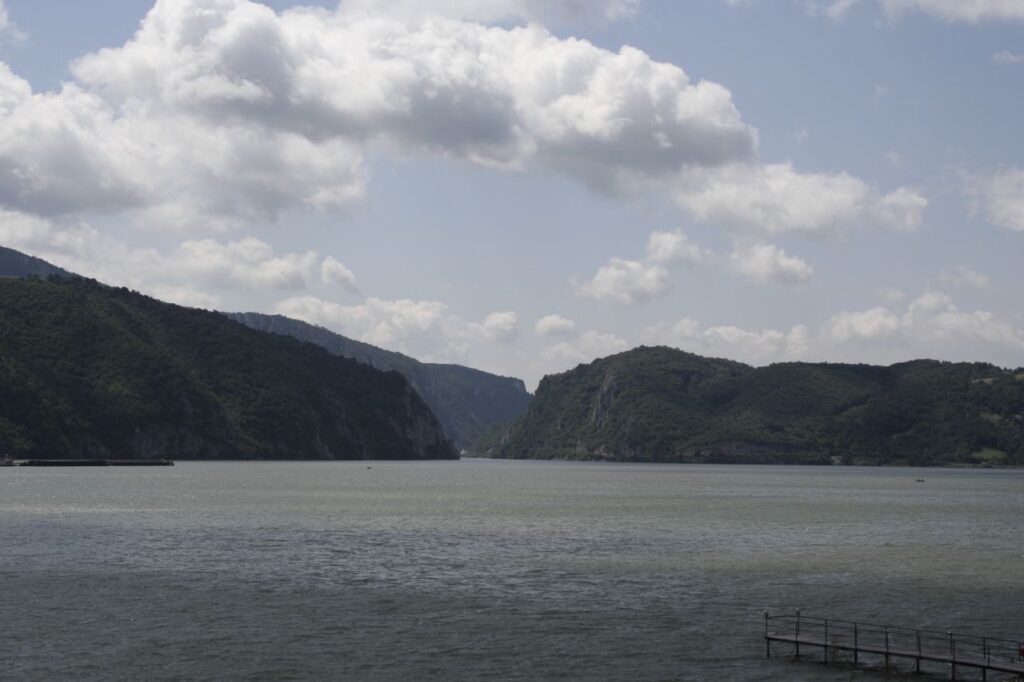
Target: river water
{"x":486,"y":570}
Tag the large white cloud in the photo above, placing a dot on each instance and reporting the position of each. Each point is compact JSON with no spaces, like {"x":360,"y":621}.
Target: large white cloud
{"x":224,"y":108}
{"x":221,"y":113}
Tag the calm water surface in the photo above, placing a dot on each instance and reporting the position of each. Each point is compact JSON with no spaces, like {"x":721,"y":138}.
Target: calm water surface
{"x":479,"y":570}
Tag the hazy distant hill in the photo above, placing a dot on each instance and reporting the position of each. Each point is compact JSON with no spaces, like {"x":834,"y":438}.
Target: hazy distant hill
{"x":660,"y":404}
{"x":466,"y":401}
{"x":16,"y":264}
{"x":93,"y":371}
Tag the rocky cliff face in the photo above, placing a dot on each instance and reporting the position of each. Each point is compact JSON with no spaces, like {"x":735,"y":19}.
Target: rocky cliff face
{"x":466,"y":401}
{"x":93,"y":371}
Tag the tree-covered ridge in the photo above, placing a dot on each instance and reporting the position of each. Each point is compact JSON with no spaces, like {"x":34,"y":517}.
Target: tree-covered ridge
{"x":661,"y":404}
{"x":92,"y":371}
{"x":466,"y":401}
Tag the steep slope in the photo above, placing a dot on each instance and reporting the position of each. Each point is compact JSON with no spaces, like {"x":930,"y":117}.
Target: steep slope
{"x":466,"y":401}
{"x":660,"y":404}
{"x":92,"y":371}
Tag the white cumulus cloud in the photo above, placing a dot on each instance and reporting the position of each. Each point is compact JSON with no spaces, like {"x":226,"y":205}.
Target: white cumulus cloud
{"x":626,"y":282}
{"x":756,"y":346}
{"x":554,"y":326}
{"x":334,"y":273}
{"x":767,"y":262}
{"x":1003,"y":197}
{"x":971,"y":11}
{"x":1007,"y":57}
{"x":246,"y":264}
{"x":835,"y":10}
{"x":590,"y":345}
{"x":501,"y":326}
{"x":394,"y":324}
{"x":558,"y":11}
{"x":774,"y":198}
{"x":962,"y":277}
{"x":226,"y":108}
{"x":902,"y":209}
{"x":930,"y":325}
{"x":668,"y":248}
{"x":427,"y":330}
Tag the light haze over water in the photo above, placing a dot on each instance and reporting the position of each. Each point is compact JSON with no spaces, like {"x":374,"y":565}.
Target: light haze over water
{"x":486,"y":569}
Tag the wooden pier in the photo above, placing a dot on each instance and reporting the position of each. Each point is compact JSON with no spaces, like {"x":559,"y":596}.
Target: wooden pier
{"x":849,"y":641}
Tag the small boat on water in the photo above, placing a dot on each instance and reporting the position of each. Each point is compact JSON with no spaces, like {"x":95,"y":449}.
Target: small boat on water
{"x":6,"y":461}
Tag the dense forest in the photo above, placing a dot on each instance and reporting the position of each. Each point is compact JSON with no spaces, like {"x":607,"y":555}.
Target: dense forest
{"x":661,"y":404}
{"x":92,"y":371}
{"x":466,"y":401}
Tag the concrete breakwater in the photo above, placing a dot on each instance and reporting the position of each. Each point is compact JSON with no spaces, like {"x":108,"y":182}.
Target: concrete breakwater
{"x":97,"y":463}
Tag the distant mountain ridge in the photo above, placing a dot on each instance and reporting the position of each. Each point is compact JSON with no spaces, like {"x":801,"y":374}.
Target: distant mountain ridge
{"x":466,"y":401}
{"x":17,"y":264}
{"x":91,"y":371}
{"x":666,"y":405}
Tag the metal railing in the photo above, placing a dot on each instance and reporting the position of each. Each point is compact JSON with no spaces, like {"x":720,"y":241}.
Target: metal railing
{"x":887,"y":640}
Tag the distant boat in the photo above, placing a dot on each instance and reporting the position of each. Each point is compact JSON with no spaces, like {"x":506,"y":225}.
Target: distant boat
{"x":6,"y":461}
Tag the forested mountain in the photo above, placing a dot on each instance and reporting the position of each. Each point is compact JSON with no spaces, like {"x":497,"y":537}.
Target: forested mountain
{"x":466,"y":401}
{"x":660,"y":404}
{"x":92,"y":371}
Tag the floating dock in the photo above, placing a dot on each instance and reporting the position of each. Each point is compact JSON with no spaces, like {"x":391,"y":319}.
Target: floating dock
{"x":97,"y":463}
{"x":849,"y":642}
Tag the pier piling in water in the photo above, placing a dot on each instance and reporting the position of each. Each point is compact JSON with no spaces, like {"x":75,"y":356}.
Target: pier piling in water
{"x":986,"y":654}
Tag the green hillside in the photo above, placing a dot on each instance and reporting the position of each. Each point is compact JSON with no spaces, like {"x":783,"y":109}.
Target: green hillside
{"x":660,"y":404}
{"x":91,"y":371}
{"x":466,"y":401}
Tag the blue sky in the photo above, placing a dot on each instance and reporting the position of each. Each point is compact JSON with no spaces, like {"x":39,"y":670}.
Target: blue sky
{"x":521,"y":185}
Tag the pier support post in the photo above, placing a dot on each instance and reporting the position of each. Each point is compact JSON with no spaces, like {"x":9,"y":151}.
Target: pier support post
{"x":856,"y":644}
{"x":767,"y":642}
{"x":798,"y":633}
{"x":886,"y":630}
{"x":952,"y":653}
